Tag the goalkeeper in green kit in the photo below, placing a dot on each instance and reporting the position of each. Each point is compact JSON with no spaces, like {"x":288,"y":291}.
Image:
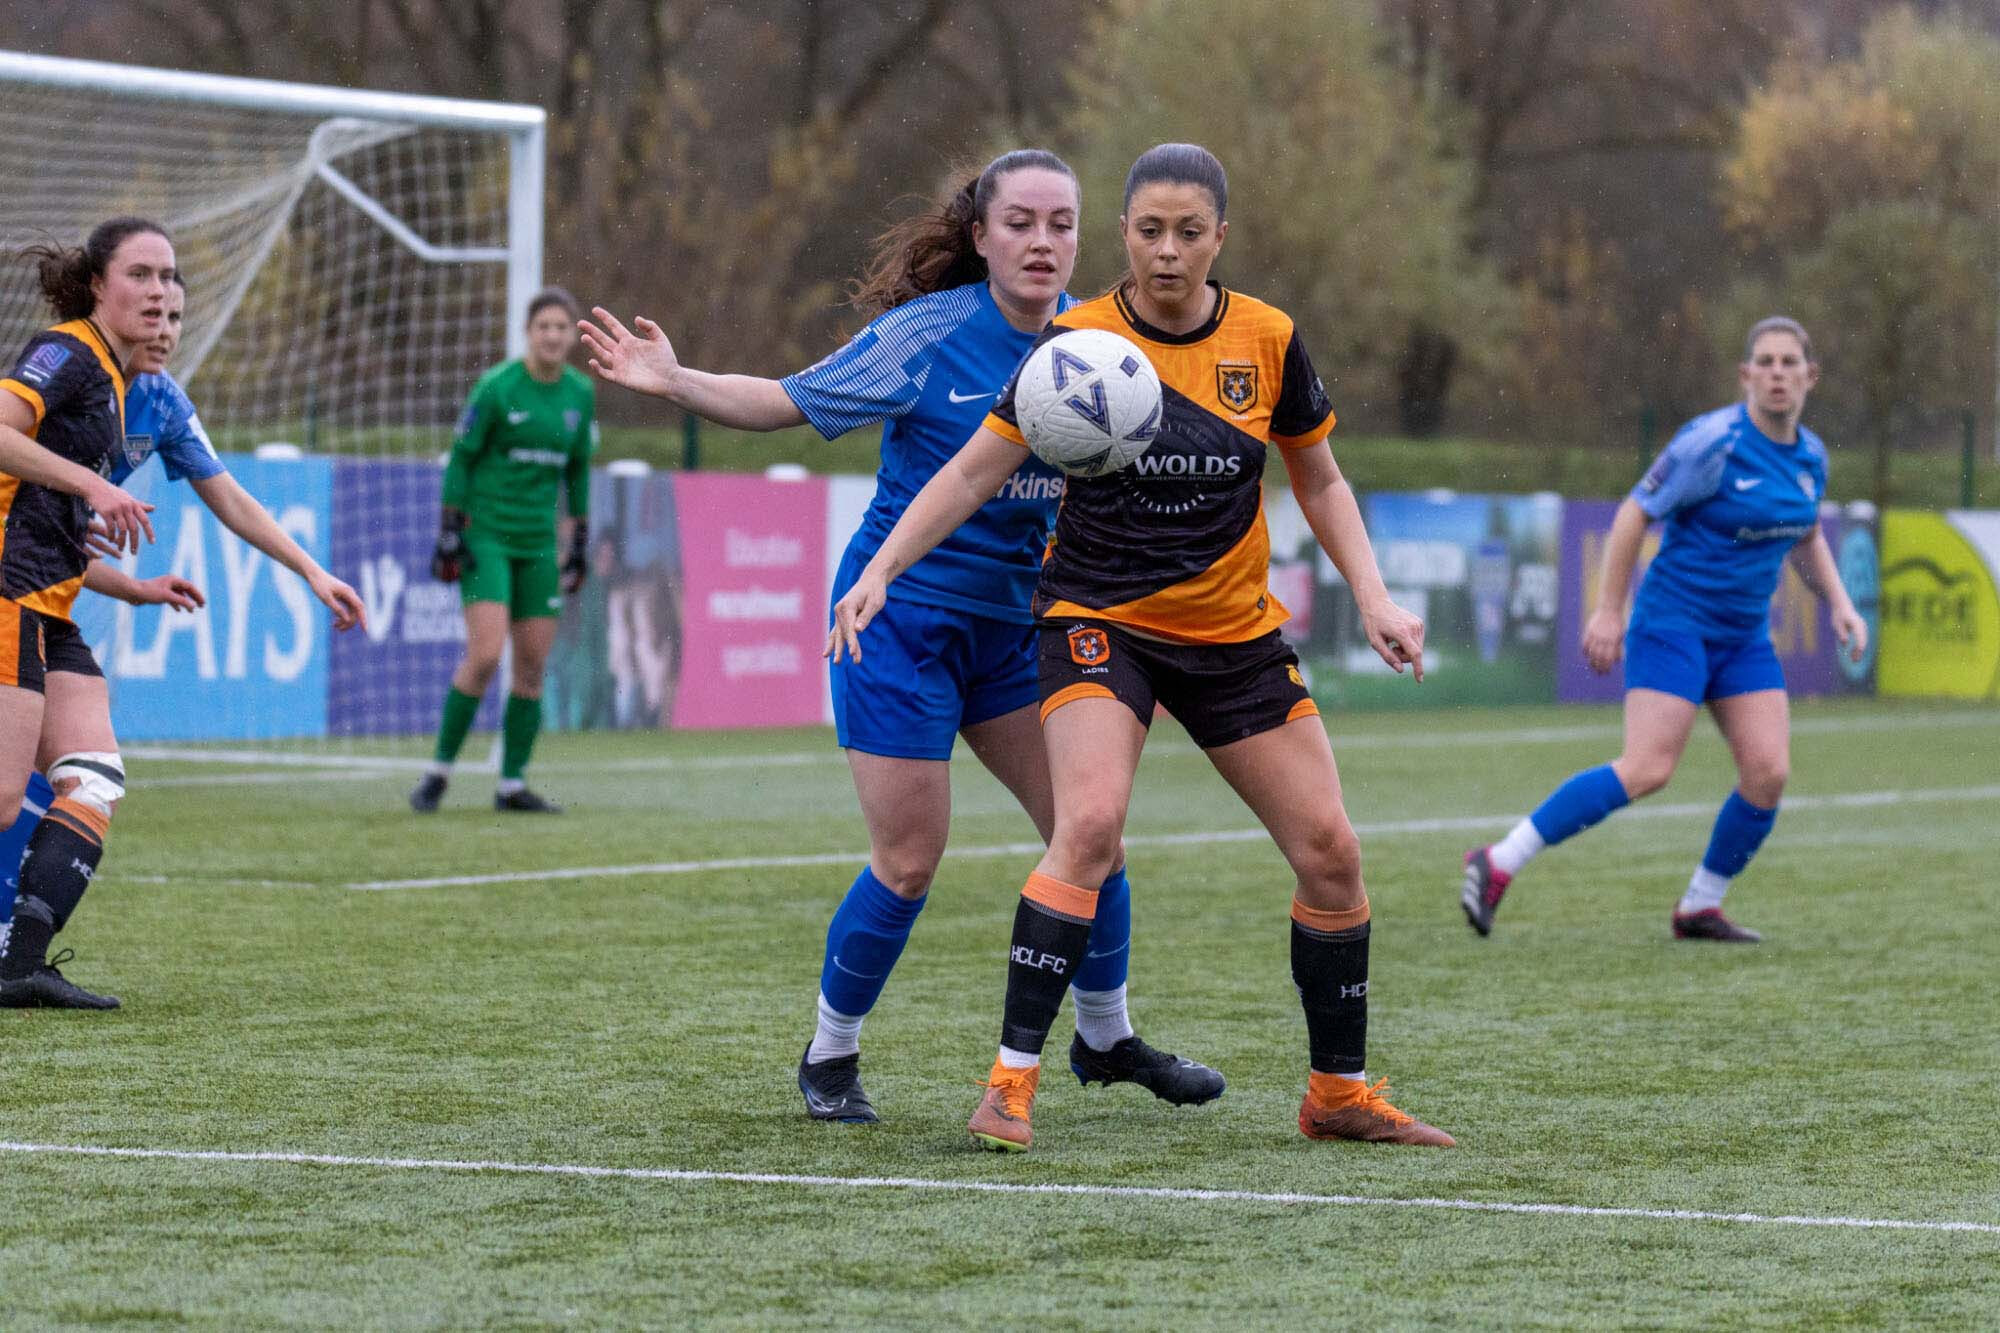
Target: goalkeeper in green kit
{"x":529,"y":428}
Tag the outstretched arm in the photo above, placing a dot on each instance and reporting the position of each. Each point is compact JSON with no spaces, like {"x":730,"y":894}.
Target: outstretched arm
{"x":974,"y":475}
{"x":1331,"y":512}
{"x":644,"y":361}
{"x":239,"y":511}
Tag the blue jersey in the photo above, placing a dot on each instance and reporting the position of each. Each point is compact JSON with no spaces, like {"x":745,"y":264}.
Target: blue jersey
{"x":1734,"y":503}
{"x":929,"y":370}
{"x":159,"y":419}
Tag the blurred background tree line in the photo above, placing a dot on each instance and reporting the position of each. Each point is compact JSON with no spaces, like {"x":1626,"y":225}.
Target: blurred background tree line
{"x":1540,"y":220}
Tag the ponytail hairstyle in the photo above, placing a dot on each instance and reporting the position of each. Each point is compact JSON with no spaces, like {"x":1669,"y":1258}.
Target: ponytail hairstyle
{"x":66,"y":272}
{"x":1180,"y":164}
{"x":933,"y":250}
{"x":1174,"y":164}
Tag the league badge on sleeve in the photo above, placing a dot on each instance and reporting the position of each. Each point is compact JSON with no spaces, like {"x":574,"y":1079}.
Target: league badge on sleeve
{"x":39,"y":368}
{"x":1807,"y":485}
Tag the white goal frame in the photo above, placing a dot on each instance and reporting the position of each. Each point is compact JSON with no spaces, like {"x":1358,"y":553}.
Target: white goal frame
{"x":526,"y":128}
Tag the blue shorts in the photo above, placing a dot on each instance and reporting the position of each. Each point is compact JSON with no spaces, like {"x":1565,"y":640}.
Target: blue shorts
{"x":1684,"y":664}
{"x":924,"y":674}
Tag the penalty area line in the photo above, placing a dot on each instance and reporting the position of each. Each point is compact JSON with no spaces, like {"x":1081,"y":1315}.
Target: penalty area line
{"x":1215,"y":837}
{"x":920,"y":1184}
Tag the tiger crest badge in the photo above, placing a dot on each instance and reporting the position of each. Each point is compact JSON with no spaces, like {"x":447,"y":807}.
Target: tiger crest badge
{"x":1236,"y":385}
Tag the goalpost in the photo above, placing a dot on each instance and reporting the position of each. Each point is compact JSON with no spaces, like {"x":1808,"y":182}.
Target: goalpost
{"x":353,"y":260}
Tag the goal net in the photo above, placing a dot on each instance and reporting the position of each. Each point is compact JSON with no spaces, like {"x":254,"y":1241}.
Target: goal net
{"x":353,"y":261}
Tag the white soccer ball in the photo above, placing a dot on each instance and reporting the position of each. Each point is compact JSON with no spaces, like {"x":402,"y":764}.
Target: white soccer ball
{"x":1088,"y":402}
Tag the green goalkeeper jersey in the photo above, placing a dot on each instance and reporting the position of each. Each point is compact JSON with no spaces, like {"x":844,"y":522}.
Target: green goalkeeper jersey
{"x":520,"y":439}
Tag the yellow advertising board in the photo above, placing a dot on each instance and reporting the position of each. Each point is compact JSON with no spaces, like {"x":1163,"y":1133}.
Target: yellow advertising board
{"x":1940,"y":609}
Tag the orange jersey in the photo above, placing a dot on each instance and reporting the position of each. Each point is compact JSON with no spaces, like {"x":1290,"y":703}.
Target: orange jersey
{"x":1175,"y":545}
{"x":76,"y":389}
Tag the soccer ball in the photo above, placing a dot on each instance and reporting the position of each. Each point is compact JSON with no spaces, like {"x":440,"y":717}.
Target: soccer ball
{"x":1088,"y":402}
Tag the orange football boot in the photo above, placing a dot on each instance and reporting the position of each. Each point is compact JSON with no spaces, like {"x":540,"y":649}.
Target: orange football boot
{"x":1001,"y":1122}
{"x":1347,"y":1108}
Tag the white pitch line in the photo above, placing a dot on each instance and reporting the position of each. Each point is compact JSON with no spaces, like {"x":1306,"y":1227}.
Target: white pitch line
{"x":384,"y":764}
{"x":257,"y":779}
{"x":1380,"y":828}
{"x":1144,"y":1192}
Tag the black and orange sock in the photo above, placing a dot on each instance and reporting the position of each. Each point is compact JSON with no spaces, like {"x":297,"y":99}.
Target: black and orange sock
{"x":1330,"y":968}
{"x":61,"y":858}
{"x":1051,"y":933}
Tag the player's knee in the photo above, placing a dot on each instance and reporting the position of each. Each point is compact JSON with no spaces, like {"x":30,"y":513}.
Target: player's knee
{"x":1331,"y":857}
{"x":478,"y":668}
{"x":1091,"y":838}
{"x":907,"y":873}
{"x":12,"y":794}
{"x":1644,"y":774}
{"x":92,"y":778}
{"x":1762,"y":780}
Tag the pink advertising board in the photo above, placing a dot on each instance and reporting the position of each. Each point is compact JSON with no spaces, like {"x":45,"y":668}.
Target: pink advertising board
{"x":753,"y":556}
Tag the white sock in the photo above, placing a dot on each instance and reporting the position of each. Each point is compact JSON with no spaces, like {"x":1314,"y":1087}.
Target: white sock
{"x":508,"y":786}
{"x":1361,"y":1077}
{"x":1013,"y":1059}
{"x":1705,"y":890}
{"x":838,"y":1034}
{"x":1101,"y":1019}
{"x":1516,"y":849}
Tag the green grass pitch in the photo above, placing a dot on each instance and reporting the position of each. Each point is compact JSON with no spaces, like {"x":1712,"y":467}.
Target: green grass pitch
{"x":1850,"y":1067}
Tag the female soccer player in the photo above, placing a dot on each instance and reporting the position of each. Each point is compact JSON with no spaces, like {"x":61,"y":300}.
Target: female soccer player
{"x":160,"y":420}
{"x":530,"y":425}
{"x":1738,"y":491}
{"x":61,"y":430}
{"x":1156,"y":590}
{"x":959,"y":297}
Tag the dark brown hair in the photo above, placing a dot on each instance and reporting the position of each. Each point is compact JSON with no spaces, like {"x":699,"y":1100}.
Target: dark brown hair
{"x":66,"y":272}
{"x":933,"y":250}
{"x":1180,"y":164}
{"x":549,"y":296}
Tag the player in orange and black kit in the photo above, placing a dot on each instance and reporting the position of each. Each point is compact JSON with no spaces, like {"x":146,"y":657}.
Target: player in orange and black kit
{"x":62,"y":426}
{"x":1156,"y":591}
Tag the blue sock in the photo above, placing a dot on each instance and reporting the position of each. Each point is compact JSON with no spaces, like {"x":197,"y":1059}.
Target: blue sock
{"x":863,"y":942}
{"x":1110,"y":949}
{"x":14,"y":842}
{"x":1740,"y":829}
{"x":1582,"y":801}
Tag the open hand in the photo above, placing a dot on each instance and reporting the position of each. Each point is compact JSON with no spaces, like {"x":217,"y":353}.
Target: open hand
{"x":643,"y":361}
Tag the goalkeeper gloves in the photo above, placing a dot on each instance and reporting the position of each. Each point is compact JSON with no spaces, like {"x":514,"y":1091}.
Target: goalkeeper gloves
{"x":451,"y":558}
{"x":576,"y":564}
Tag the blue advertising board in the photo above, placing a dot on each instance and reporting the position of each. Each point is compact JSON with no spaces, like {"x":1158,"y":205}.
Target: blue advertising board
{"x":252,"y":663}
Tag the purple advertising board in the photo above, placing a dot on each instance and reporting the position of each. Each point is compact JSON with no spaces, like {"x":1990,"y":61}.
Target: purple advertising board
{"x":391,"y":679}
{"x":1800,"y":628}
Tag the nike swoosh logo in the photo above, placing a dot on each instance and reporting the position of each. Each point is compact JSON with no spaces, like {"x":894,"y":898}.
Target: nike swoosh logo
{"x":958,"y":397}
{"x":1745,"y":483}
{"x":516,"y":418}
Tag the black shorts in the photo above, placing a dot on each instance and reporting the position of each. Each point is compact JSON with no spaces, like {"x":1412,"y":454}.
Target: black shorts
{"x":1221,"y":692}
{"x":33,"y":644}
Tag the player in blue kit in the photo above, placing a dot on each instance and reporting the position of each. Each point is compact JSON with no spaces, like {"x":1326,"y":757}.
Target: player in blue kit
{"x":1737,"y":491}
{"x":160,"y":420}
{"x":958,"y":296}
